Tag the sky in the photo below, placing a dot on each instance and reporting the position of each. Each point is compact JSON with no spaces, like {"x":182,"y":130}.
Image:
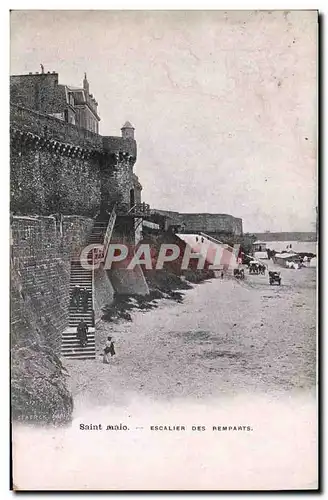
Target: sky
{"x":224,"y":103}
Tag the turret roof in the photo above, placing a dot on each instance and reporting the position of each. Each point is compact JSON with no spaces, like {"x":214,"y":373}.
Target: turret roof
{"x":127,"y":125}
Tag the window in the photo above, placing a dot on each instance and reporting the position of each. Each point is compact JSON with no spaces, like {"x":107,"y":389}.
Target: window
{"x":132,"y":202}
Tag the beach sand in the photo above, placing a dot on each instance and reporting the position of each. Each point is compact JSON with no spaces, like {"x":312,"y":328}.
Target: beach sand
{"x":226,"y":337}
{"x":234,"y":364}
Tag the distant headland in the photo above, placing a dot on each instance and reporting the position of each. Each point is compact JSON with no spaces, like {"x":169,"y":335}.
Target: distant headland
{"x":287,"y":236}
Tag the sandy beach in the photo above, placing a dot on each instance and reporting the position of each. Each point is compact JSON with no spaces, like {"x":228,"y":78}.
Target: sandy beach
{"x":225,"y":338}
{"x":238,"y":356}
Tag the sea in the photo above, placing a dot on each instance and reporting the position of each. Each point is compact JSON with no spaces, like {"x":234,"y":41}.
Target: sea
{"x":297,"y":246}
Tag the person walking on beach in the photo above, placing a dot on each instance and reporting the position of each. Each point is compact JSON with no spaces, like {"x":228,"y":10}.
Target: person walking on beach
{"x":108,"y":350}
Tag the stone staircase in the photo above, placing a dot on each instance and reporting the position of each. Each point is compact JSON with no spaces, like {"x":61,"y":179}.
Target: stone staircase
{"x":98,"y":232}
{"x":83,"y":278}
{"x":70,"y":344}
{"x":71,"y":347}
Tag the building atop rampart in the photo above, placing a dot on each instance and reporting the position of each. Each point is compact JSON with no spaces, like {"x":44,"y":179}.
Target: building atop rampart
{"x":213,"y":224}
{"x":42,"y":92}
{"x":59,"y":161}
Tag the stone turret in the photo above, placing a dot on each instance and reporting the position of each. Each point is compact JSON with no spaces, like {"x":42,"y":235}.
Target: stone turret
{"x":127,"y":131}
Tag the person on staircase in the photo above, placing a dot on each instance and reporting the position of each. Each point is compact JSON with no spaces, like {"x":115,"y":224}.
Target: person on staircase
{"x":76,"y":296}
{"x":82,"y":333}
{"x":85,"y":293}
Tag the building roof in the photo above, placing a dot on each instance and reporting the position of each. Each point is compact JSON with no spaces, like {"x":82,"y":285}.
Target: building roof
{"x":71,"y":87}
{"x":285,"y":255}
{"x":79,"y":95}
{"x":127,"y":125}
{"x":81,"y":98}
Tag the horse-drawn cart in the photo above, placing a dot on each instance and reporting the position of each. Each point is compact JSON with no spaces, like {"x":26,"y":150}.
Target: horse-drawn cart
{"x":274,"y":278}
{"x":239,"y":274}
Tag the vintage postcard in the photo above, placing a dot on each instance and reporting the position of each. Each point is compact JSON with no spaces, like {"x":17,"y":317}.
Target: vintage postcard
{"x":164,"y":227}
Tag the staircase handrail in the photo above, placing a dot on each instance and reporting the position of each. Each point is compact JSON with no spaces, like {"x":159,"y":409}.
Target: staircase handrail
{"x":214,"y":240}
{"x":109,"y":231}
{"x":134,"y":206}
{"x":144,"y":208}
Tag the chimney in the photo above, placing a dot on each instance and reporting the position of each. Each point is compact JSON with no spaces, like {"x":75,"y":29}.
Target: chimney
{"x":86,"y":84}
